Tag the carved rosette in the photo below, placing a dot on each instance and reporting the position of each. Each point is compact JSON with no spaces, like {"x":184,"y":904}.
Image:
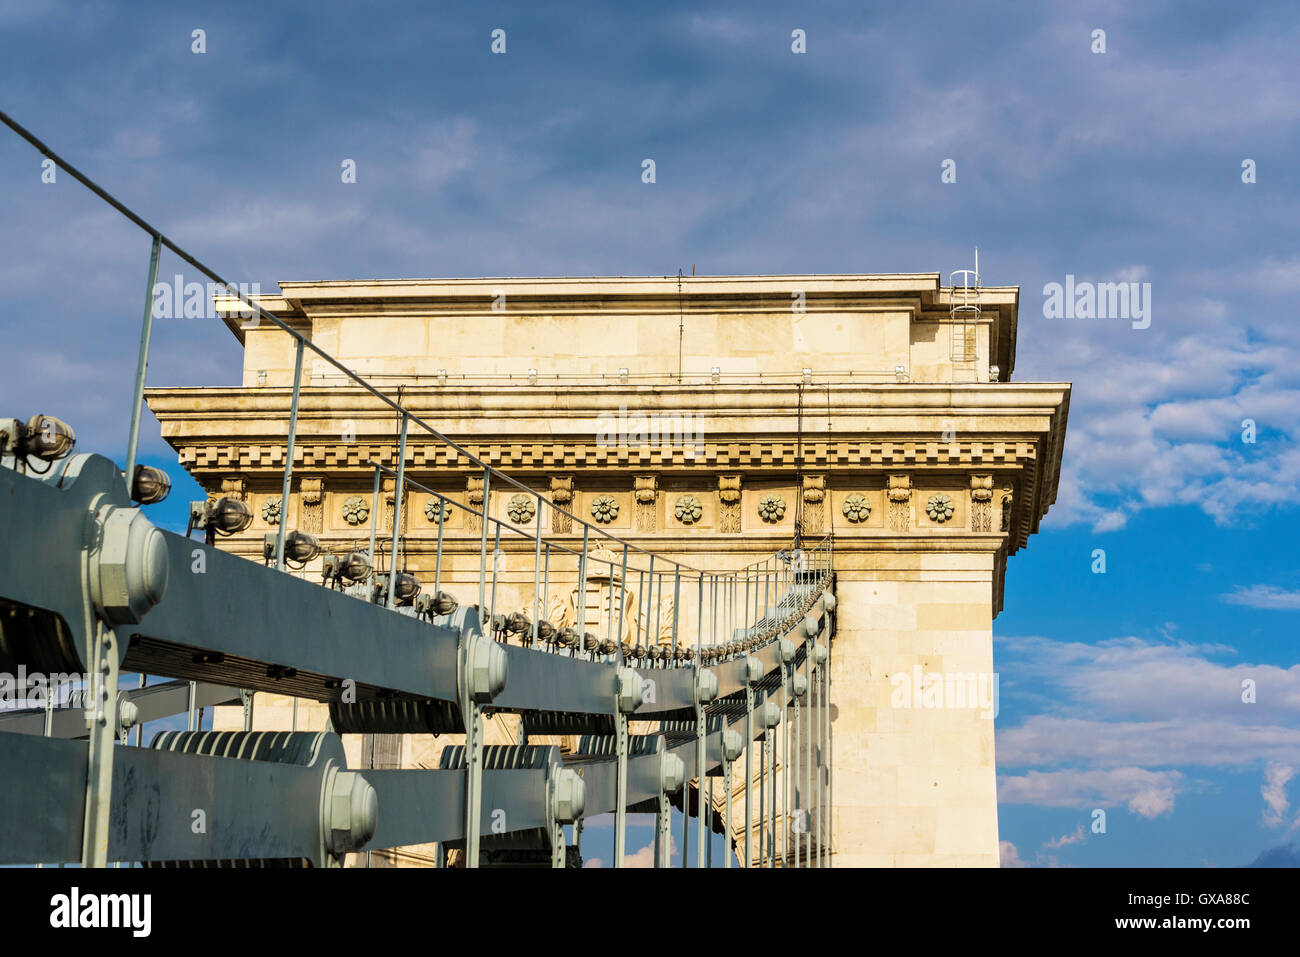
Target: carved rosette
{"x":729,"y":503}
{"x":521,"y":508}
{"x":435,"y":514}
{"x":604,"y":509}
{"x":473,"y":495}
{"x":900,"y":498}
{"x":562,"y":495}
{"x":356,"y":510}
{"x":771,"y":508}
{"x":814,"y":503}
{"x":939,"y":507}
{"x":688,"y":510}
{"x":312,"y":509}
{"x":981,"y":503}
{"x":271,"y":510}
{"x":856,"y":508}
{"x":646,"y":496}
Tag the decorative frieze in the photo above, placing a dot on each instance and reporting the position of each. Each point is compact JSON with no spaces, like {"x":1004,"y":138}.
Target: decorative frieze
{"x":562,"y":495}
{"x":473,"y":495}
{"x":814,"y":504}
{"x":991,"y":504}
{"x":903,"y":509}
{"x":646,"y":498}
{"x":389,"y":485}
{"x":729,"y":503}
{"x":900,"y":503}
{"x":981,"y":503}
{"x":311,"y":493}
{"x":236,"y":487}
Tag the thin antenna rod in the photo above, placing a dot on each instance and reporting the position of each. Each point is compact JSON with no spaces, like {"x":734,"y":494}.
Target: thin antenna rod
{"x":681,"y":323}
{"x":798,"y":473}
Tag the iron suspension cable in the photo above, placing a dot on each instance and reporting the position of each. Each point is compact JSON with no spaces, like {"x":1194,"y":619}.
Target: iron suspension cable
{"x":163,"y":240}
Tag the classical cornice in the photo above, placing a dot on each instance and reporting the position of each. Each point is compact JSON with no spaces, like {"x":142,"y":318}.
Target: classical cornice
{"x":766,"y":408}
{"x":612,"y":292}
{"x":921,"y":294}
{"x":561,"y":455}
{"x":1015,"y":430}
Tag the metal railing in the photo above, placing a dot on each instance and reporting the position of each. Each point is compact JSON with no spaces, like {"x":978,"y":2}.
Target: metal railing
{"x":734,"y":661}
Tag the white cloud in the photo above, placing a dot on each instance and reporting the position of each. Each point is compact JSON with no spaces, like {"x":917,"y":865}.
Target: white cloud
{"x":1125,"y":718}
{"x":1264,"y":596}
{"x":1156,"y":416}
{"x":1044,"y":740}
{"x":1146,"y":793}
{"x":1163,"y":681}
{"x":645,"y":857}
{"x":1079,"y":836}
{"x":1276,"y":777}
{"x":1279,"y":276}
{"x":1152,"y":802}
{"x":1008,"y":856}
{"x":1166,"y":96}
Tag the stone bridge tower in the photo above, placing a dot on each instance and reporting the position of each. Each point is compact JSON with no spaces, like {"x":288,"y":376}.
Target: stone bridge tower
{"x":703,"y":417}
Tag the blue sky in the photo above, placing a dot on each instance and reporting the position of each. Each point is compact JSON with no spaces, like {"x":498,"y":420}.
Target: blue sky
{"x":1119,"y":691}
